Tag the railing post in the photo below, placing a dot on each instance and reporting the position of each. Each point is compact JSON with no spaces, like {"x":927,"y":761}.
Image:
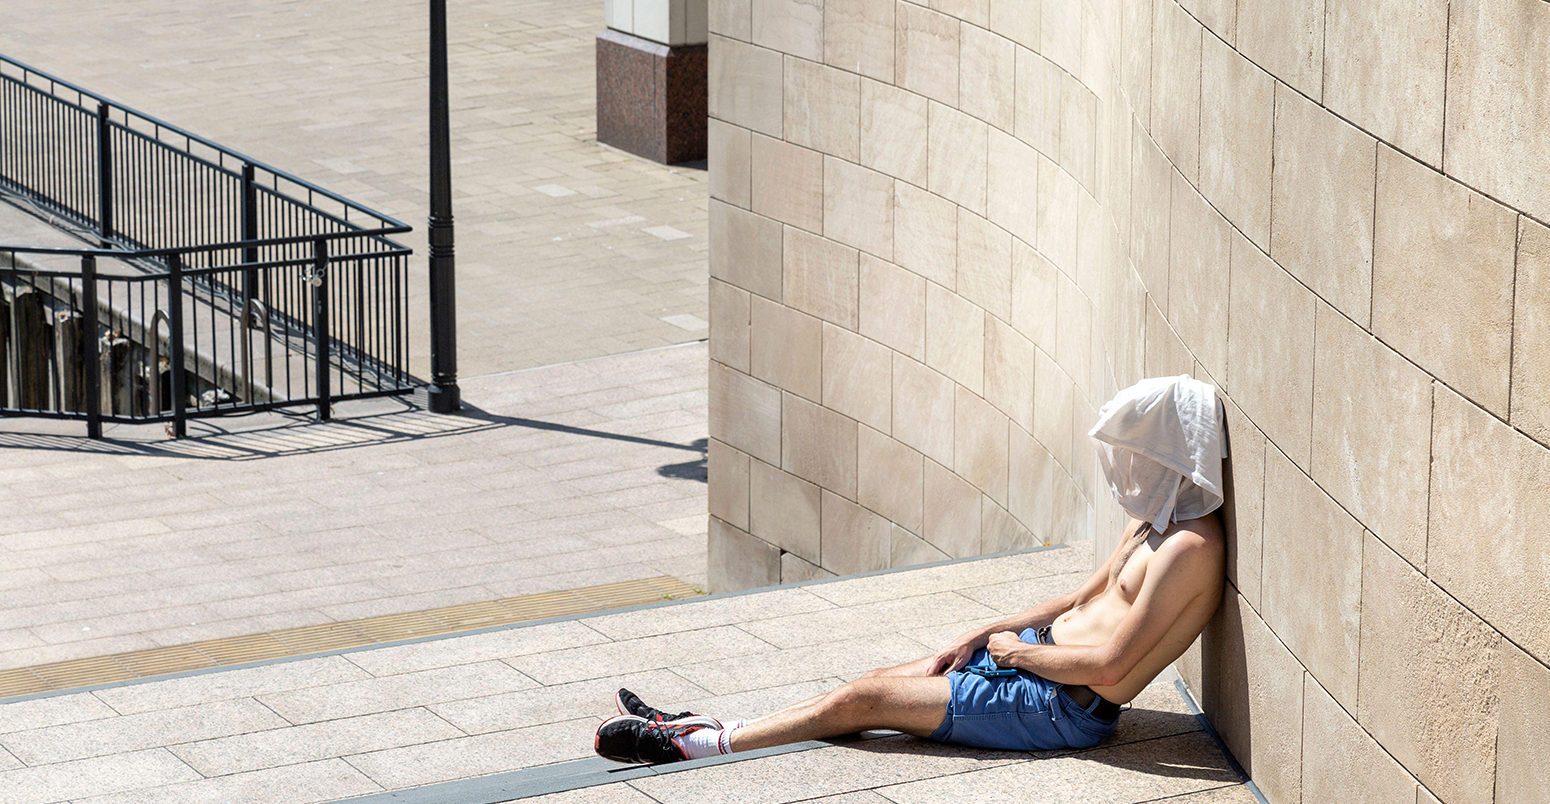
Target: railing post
{"x":249,"y":230}
{"x":91,"y":347}
{"x":319,"y":282}
{"x":175,"y":324}
{"x":104,"y":174}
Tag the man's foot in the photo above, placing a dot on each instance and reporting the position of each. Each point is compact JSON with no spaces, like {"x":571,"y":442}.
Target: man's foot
{"x":634,"y":739}
{"x":630,"y":704}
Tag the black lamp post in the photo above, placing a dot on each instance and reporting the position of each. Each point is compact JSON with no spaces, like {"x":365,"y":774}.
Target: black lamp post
{"x":443,"y":391}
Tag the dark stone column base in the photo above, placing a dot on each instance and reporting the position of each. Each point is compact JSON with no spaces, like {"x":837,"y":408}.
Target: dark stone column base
{"x":651,"y":97}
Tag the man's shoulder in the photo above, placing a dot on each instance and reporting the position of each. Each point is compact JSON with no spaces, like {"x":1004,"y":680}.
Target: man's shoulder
{"x":1195,"y":541}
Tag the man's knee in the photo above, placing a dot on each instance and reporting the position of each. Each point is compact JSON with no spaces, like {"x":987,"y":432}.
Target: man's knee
{"x":850,"y":698}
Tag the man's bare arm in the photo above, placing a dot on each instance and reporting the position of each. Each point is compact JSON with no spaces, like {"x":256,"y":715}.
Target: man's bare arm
{"x":1177,"y":575}
{"x":957,"y":654}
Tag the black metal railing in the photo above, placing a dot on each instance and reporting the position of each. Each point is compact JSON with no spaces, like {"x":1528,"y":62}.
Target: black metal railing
{"x":214,"y":283}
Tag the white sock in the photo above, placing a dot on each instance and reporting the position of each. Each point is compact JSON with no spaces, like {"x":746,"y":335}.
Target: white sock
{"x":705,"y":742}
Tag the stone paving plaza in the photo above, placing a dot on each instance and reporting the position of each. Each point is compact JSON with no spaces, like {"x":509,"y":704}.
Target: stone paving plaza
{"x":579,"y":462}
{"x":400,"y":718}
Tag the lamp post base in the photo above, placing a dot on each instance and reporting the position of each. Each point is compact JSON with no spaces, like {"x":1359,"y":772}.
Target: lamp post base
{"x":443,"y":398}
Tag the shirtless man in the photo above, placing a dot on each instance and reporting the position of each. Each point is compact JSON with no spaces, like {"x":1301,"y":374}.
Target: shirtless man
{"x":1073,"y":660}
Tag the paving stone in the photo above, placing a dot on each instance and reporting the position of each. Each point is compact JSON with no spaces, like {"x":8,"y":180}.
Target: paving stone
{"x":44,"y":712}
{"x":616,"y":793}
{"x":705,"y":645}
{"x":577,"y":699}
{"x":464,"y":757}
{"x":94,"y":776}
{"x":837,"y":624}
{"x":394,"y":692}
{"x":326,"y":780}
{"x":770,"y":667}
{"x":121,"y":735}
{"x":315,"y":741}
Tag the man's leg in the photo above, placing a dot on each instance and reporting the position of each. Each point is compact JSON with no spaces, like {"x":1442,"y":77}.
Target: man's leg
{"x":914,"y":705}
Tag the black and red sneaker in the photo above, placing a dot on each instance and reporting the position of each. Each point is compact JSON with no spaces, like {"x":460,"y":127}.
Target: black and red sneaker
{"x":630,"y":704}
{"x":634,"y":739}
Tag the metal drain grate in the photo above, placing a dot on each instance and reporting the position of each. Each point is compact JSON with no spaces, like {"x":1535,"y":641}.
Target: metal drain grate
{"x":290,"y":642}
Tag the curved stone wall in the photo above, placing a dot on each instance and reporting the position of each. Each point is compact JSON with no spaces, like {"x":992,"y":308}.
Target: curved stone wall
{"x":943,"y":232}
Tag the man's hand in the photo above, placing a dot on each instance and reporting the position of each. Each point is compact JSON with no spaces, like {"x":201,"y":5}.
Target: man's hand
{"x":950,"y":658}
{"x":1005,"y":647}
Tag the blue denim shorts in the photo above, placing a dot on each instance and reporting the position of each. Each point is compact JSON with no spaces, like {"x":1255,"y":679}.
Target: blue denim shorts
{"x":1022,"y":712}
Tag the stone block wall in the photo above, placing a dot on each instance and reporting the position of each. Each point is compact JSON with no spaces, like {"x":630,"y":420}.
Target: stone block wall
{"x":944,"y":231}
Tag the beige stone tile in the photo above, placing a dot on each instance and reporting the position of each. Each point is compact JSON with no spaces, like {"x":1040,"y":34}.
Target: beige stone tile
{"x":732,"y":18}
{"x":1034,"y":296}
{"x":1498,"y":108}
{"x":1166,"y":354}
{"x":1252,"y":692}
{"x":1321,"y":227}
{"x":986,"y":76}
{"x":1221,"y":16}
{"x":465,"y":757}
{"x":858,"y":207}
{"x":980,"y":444}
{"x":1372,"y":413}
{"x":857,"y":377}
{"x":745,"y":413}
{"x":769,"y":667}
{"x":922,"y":408}
{"x":745,"y":249}
{"x":1243,"y":510}
{"x":854,"y":539}
{"x":858,"y":36}
{"x":686,"y":616}
{"x":730,"y":156}
{"x":893,"y":131}
{"x":952,"y":512}
{"x":1387,"y":69}
{"x":314,"y":741}
{"x":788,"y":183}
{"x":1198,"y":273}
{"x":1485,"y":472}
{"x":819,"y":445}
{"x":1523,"y":729}
{"x":1286,"y":39}
{"x":1271,"y":349}
{"x":786,"y":348}
{"x":926,"y":234}
{"x":401,"y":691}
{"x":1531,"y":333}
{"x":926,"y":52}
{"x":1424,"y":796}
{"x":955,"y":337}
{"x":735,"y":560}
{"x":1426,"y":220}
{"x":1175,"y":120}
{"x":795,"y":570}
{"x":1037,"y":102}
{"x":1012,"y":168}
{"x":1059,"y":198}
{"x":1078,"y":151}
{"x":1030,"y":488}
{"x":729,"y":489}
{"x":784,"y":510}
{"x":1073,"y":337}
{"x":957,"y":155}
{"x":975,"y":12}
{"x":1420,"y":646}
{"x":729,"y":324}
{"x":193,"y":690}
{"x":1136,"y":18}
{"x":1000,"y":531}
{"x":1315,"y":607}
{"x":1053,"y":401}
{"x":905,"y":549}
{"x":1237,"y":118}
{"x":1151,"y":185}
{"x":1009,"y":372}
{"x":893,"y":307}
{"x":890,"y":479}
{"x":984,"y":264}
{"x":1340,"y":762}
{"x":1016,"y":20}
{"x":755,"y":99}
{"x":131,"y":771}
{"x":326,"y":780}
{"x":127,"y":733}
{"x":790,"y":26}
{"x":1060,"y":34}
{"x":821,"y":277}
{"x":823,"y":108}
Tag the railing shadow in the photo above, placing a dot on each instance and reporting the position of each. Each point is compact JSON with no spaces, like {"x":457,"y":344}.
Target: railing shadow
{"x":280,"y":434}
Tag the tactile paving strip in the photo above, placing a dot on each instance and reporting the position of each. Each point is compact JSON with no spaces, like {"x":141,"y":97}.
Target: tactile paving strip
{"x":282,"y":644}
